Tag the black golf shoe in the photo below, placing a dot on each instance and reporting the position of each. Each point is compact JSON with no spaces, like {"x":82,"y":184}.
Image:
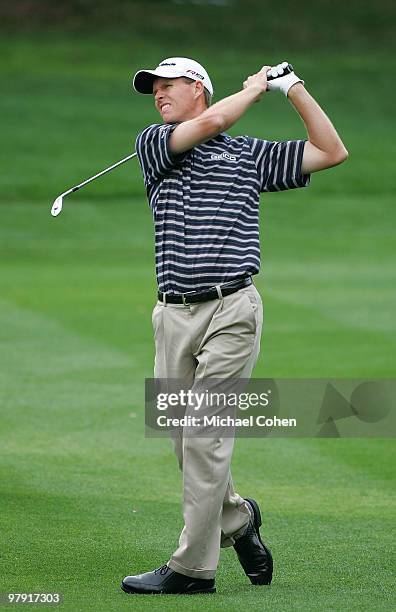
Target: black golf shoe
{"x":254,"y":556}
{"x":165,"y":581}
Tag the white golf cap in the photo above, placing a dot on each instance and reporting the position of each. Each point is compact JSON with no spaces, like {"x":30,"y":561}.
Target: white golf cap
{"x":171,"y":68}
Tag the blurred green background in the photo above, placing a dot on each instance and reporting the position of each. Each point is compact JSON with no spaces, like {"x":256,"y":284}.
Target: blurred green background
{"x":87,"y":498}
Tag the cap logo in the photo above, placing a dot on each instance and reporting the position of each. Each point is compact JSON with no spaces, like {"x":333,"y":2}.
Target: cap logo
{"x":168,"y":64}
{"x":196,"y":74}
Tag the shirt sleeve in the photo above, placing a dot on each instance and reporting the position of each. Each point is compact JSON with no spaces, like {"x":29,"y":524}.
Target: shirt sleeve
{"x":152,"y":147}
{"x":279,"y":164}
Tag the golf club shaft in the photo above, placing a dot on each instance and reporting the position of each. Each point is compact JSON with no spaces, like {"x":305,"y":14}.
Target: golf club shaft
{"x":92,"y":178}
{"x":287,"y":69}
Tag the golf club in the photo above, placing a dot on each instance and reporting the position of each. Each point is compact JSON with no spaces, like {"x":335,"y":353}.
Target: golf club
{"x":58,"y":203}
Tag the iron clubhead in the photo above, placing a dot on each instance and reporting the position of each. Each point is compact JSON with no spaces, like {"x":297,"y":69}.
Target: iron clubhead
{"x":57,"y":206}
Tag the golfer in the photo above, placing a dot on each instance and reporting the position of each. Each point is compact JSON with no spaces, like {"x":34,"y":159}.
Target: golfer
{"x":203,"y":187}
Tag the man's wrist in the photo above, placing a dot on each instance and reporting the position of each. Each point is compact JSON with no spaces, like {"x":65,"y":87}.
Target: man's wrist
{"x":255,"y":91}
{"x":295,"y":90}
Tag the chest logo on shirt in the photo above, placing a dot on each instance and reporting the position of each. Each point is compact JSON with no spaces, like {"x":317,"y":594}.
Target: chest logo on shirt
{"x":223,"y":156}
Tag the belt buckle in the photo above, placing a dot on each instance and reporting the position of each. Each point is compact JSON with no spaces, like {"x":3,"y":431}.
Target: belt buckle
{"x":183,"y":297}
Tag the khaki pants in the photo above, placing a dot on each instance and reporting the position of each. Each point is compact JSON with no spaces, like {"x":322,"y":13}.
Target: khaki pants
{"x":216,"y":339}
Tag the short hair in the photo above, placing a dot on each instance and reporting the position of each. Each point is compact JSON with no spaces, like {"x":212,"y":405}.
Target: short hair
{"x":207,"y":94}
{"x":208,"y":97}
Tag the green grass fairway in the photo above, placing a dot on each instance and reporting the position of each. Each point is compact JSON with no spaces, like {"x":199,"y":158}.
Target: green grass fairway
{"x":86,"y":498}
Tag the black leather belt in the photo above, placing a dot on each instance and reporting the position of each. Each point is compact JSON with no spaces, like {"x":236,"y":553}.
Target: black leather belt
{"x":214,"y":293}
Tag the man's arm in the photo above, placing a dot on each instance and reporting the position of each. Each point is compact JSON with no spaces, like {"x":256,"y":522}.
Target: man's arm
{"x":324,"y":147}
{"x":220,"y":116}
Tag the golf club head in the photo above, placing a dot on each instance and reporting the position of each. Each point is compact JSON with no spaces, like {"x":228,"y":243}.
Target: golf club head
{"x":57,"y":206}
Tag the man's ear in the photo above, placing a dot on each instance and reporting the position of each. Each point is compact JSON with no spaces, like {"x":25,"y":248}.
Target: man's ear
{"x":198,"y":88}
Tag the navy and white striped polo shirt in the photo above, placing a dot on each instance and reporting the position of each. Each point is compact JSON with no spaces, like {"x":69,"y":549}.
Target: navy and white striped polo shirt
{"x":205,"y":203}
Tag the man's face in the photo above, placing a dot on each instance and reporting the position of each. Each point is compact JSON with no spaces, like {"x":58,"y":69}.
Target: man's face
{"x":174,"y":99}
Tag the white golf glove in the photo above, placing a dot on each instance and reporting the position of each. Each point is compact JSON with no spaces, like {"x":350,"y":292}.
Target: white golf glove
{"x":282,"y":83}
